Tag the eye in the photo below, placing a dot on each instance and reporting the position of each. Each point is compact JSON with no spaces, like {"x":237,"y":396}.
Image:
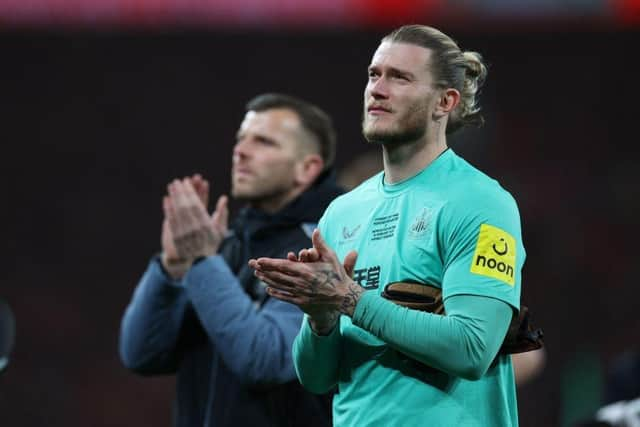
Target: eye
{"x":265,"y":141}
{"x":401,"y":77}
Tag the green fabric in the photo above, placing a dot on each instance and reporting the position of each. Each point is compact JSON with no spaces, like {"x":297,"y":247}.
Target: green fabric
{"x":449,"y":226}
{"x":462,"y":343}
{"x":308,"y":349}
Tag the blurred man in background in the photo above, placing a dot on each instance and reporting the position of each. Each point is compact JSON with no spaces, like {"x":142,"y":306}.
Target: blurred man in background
{"x":432,"y":219}
{"x":199,"y":311}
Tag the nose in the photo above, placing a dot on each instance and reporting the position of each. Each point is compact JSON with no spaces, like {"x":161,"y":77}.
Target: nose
{"x":378,"y":88}
{"x":241,"y":149}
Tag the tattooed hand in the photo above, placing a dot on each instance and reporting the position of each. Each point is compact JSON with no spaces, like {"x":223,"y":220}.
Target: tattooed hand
{"x":315,"y":281}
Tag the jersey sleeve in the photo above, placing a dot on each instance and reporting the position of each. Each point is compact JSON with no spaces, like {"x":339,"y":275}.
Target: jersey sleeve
{"x":324,"y":226}
{"x":317,"y":358}
{"x":484,"y":253}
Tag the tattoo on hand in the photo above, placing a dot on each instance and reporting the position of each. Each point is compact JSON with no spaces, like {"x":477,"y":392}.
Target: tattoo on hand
{"x":329,"y":277}
{"x":350,"y":300}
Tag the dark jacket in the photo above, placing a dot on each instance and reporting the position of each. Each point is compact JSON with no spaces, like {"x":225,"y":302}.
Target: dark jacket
{"x":228,"y":342}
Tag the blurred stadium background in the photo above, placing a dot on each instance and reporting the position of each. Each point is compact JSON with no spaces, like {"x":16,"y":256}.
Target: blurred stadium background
{"x":103,"y":101}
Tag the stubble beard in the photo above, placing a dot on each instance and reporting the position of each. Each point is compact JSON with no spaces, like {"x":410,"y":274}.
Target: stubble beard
{"x":244,"y":192}
{"x":258,"y":195}
{"x":407,"y":129}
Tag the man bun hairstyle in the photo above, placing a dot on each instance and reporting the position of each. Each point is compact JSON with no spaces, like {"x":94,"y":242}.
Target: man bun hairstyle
{"x":464,"y":71}
{"x":313,"y":119}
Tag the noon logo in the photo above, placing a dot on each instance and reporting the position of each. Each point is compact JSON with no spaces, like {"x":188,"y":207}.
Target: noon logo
{"x":495,"y":254}
{"x":504,"y":246}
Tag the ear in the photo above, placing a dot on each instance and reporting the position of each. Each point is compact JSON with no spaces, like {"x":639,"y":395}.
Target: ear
{"x":448,"y":101}
{"x":308,"y":169}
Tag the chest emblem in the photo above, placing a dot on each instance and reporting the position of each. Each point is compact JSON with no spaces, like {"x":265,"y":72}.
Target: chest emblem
{"x":421,"y":225}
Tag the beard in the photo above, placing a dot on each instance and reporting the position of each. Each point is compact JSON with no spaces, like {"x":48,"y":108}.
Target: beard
{"x":407,"y":128}
{"x":259,"y":191}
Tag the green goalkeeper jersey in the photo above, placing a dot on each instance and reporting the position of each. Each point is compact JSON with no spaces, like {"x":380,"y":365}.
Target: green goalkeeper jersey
{"x":449,"y":226}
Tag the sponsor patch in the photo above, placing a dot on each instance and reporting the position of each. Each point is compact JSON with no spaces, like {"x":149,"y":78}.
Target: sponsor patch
{"x":368,"y":277}
{"x":495,"y":254}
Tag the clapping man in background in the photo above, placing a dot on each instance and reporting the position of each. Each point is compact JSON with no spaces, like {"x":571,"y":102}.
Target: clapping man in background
{"x":198,"y":310}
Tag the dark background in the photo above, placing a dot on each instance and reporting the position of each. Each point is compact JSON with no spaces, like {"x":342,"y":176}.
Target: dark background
{"x":95,"y":124}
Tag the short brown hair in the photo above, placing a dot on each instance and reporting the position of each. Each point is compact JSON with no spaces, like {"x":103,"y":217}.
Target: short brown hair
{"x":312,"y":118}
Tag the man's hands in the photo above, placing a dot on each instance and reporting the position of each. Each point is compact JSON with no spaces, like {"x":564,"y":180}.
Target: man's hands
{"x":315,"y":281}
{"x":188,"y":231}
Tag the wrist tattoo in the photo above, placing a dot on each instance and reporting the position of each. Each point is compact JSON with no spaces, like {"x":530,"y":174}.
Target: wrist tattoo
{"x":350,"y":300}
{"x":326,"y":324}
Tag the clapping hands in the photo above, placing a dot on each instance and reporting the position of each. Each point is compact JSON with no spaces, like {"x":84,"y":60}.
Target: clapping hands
{"x":188,"y":231}
{"x":314,"y":280}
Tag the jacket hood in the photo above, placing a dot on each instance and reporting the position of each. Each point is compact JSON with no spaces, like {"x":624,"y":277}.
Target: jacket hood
{"x":310,"y":205}
{"x":306,"y":208}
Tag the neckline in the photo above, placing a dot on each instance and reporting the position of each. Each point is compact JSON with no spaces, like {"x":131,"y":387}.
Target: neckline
{"x":395,"y":189}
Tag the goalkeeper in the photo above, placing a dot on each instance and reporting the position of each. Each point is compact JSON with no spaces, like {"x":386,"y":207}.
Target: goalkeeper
{"x":429,"y":218}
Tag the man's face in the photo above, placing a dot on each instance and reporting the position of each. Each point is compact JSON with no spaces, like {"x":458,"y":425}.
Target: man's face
{"x":400,"y":96}
{"x":265,"y":155}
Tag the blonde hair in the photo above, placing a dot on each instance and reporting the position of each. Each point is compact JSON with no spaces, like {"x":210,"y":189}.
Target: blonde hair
{"x":464,"y":71}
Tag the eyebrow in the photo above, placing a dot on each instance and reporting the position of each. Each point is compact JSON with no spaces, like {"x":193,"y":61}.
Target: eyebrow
{"x":394,"y":71}
{"x":258,"y":136}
